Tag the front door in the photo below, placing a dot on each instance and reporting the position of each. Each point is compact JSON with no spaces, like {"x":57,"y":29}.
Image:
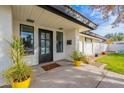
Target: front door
{"x":45,"y":46}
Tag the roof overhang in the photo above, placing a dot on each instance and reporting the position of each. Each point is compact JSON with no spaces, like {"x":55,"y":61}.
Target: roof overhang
{"x":37,"y":15}
{"x":91,"y":34}
{"x":70,"y":14}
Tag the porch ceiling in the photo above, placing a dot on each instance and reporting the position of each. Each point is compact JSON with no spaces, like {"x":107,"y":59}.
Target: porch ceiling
{"x":43,"y":17}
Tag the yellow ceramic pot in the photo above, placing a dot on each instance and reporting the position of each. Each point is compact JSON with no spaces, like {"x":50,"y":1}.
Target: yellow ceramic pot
{"x":77,"y":63}
{"x":74,"y":62}
{"x":23,"y":84}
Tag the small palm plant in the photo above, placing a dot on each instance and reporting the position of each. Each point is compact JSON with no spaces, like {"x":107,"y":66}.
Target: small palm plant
{"x":78,"y":57}
{"x":19,"y":71}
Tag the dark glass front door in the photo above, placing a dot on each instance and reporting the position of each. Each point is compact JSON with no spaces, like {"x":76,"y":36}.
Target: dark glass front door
{"x":45,"y":45}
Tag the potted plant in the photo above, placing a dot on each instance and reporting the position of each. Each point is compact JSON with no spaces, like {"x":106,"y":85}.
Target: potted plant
{"x":104,"y":53}
{"x":77,"y":58}
{"x":19,"y":74}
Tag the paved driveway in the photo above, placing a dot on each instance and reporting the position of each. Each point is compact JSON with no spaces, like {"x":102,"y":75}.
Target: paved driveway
{"x":68,"y":76}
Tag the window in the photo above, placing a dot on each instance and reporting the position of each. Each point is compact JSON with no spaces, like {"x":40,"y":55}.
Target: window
{"x":59,"y":40}
{"x":27,"y":36}
{"x":45,"y":43}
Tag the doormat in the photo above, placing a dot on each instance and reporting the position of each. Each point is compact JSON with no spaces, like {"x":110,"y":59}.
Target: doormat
{"x":50,"y":66}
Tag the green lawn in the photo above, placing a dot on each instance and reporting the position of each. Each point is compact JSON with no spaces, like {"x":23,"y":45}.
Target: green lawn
{"x":115,"y":62}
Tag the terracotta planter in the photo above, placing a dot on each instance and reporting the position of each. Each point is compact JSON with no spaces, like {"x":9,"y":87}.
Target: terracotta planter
{"x":23,"y":84}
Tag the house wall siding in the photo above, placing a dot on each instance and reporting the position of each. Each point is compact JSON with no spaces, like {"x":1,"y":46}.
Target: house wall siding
{"x":96,"y":46}
{"x":11,"y":26}
{"x":33,"y":59}
{"x":5,"y":37}
{"x":72,"y":35}
{"x":81,"y":44}
{"x":85,"y":47}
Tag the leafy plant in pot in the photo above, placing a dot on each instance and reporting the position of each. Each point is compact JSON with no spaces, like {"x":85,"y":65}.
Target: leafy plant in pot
{"x":78,"y":58}
{"x":19,"y":74}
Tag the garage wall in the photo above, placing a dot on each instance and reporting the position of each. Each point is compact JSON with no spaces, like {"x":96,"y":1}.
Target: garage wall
{"x":91,"y":48}
{"x":96,"y":47}
{"x":81,"y":44}
{"x":99,"y":46}
{"x":85,"y":47}
{"x":88,"y":46}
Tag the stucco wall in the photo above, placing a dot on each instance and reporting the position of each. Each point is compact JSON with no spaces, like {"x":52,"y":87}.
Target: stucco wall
{"x":11,"y":26}
{"x":84,"y":47}
{"x":33,"y":59}
{"x":94,"y":47}
{"x":5,"y":37}
{"x":81,"y":44}
{"x":99,"y":47}
{"x":72,"y":35}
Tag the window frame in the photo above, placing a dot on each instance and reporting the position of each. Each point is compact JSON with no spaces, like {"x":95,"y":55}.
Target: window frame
{"x":61,"y":41}
{"x":46,"y":39}
{"x":26,"y":52}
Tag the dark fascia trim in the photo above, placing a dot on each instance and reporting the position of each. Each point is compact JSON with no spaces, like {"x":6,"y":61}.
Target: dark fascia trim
{"x":81,"y":15}
{"x":94,"y":36}
{"x":53,"y":10}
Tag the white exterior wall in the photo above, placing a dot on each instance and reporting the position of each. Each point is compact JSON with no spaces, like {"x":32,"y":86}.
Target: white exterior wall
{"x":30,"y":59}
{"x":74,"y":36}
{"x":34,"y":59}
{"x":104,"y":46}
{"x":91,"y":48}
{"x":58,"y":56}
{"x":84,"y":47}
{"x":96,"y":47}
{"x":10,"y":27}
{"x":88,"y":48}
{"x":5,"y":37}
{"x":99,"y":47}
{"x":81,"y":44}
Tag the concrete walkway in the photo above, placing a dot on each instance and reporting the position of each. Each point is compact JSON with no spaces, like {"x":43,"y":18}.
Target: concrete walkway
{"x":68,"y":76}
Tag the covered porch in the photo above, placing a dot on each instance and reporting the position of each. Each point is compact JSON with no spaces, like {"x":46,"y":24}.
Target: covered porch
{"x":43,"y":20}
{"x":28,"y":21}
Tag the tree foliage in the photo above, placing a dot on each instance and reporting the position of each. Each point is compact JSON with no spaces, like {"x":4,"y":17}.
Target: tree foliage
{"x":115,"y":37}
{"x":108,"y":10}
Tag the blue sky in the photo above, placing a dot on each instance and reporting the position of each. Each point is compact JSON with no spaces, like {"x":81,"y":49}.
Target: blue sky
{"x":104,"y":25}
